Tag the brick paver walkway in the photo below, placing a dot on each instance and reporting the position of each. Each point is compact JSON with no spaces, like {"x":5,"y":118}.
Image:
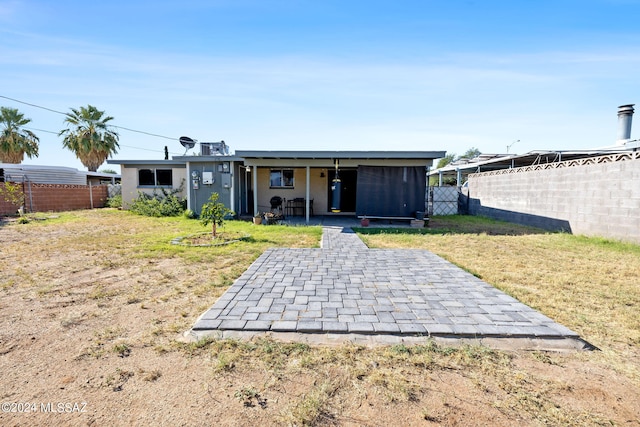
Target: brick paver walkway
{"x":346,"y":288}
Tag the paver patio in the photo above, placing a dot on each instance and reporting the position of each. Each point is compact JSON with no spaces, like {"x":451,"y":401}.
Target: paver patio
{"x":348,"y":292}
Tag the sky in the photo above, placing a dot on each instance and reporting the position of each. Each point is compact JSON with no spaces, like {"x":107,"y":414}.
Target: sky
{"x":445,"y":75}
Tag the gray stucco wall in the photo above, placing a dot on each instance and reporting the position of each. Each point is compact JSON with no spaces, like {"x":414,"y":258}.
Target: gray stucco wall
{"x":597,"y":197}
{"x":221,"y":184}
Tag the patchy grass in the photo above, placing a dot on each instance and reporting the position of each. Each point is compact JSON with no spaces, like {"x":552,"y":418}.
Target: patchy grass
{"x":587,"y":284}
{"x":95,"y":302}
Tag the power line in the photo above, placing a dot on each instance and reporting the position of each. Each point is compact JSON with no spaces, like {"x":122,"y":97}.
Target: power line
{"x":32,"y":105}
{"x":41,"y":130}
{"x":121,"y":145}
{"x":146,"y":133}
{"x":64,"y":114}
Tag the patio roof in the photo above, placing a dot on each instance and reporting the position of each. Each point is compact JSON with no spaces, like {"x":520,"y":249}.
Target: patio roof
{"x":268,"y":154}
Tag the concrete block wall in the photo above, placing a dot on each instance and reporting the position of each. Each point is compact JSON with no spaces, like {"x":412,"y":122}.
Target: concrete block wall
{"x":597,"y":199}
{"x":58,"y":197}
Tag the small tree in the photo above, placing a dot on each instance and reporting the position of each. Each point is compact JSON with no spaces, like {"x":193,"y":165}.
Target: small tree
{"x":12,"y":193}
{"x":214,"y":212}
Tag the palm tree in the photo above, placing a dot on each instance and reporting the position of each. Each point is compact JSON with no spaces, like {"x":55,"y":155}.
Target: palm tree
{"x":89,"y":137}
{"x":15,"y":142}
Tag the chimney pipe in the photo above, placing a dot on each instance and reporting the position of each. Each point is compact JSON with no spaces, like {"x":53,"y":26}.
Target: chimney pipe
{"x":625,"y":114}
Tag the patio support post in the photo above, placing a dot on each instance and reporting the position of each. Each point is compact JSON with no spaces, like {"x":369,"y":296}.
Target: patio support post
{"x":458,"y":177}
{"x":307,"y":194}
{"x":232,"y":187}
{"x":439,"y":178}
{"x":255,"y":189}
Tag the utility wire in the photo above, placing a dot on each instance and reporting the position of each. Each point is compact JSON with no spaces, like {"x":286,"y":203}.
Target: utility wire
{"x":64,"y":114}
{"x":33,"y":105}
{"x":121,"y":145}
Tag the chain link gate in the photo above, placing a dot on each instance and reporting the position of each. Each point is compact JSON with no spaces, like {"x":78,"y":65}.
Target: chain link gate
{"x":442,"y":200}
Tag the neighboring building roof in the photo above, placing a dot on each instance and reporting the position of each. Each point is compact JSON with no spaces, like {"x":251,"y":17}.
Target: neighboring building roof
{"x":489,"y":162}
{"x":268,"y":154}
{"x":50,"y":174}
{"x":99,"y":174}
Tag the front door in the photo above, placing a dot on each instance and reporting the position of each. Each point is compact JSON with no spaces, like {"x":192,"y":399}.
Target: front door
{"x":349,"y":179}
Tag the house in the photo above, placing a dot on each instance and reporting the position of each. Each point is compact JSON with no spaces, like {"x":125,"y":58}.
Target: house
{"x":193,"y":177}
{"x":298,"y":183}
{"x":147,"y":176}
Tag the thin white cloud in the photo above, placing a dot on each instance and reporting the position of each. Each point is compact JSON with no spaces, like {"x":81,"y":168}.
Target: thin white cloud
{"x":453,"y":101}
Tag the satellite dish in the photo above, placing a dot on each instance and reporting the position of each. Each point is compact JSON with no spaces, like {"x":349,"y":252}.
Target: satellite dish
{"x":187,"y":143}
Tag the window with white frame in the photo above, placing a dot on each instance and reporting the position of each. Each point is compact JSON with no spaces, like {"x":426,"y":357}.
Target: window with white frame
{"x":155,"y":178}
{"x":280,"y":178}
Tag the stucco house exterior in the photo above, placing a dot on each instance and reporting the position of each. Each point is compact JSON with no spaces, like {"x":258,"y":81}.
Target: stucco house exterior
{"x":147,"y":176}
{"x":300,"y":183}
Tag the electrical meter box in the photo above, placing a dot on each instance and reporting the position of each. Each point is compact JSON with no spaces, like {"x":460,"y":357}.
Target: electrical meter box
{"x":207,"y":177}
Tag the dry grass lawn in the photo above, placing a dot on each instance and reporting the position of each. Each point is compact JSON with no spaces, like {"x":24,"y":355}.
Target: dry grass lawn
{"x":92,"y":304}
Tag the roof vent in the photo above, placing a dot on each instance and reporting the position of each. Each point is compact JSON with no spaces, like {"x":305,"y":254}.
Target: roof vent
{"x":625,"y":114}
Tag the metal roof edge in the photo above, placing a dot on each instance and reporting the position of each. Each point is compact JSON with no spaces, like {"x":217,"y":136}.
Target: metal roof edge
{"x":194,"y":159}
{"x":146,"y":162}
{"x":340,"y":154}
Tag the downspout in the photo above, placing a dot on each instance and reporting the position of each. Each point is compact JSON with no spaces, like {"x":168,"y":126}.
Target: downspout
{"x":189,"y":186}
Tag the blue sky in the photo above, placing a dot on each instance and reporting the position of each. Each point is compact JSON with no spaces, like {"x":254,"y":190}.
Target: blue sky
{"x":331,"y":74}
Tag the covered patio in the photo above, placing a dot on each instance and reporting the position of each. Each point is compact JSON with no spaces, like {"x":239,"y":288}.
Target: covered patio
{"x":337,"y":183}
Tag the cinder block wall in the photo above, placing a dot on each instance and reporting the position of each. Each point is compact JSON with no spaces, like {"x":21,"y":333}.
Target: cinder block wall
{"x":599,"y":199}
{"x":58,"y":197}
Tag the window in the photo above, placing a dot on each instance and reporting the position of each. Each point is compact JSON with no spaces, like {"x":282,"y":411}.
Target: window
{"x":164,"y":177}
{"x":155,"y":177}
{"x":281,"y":178}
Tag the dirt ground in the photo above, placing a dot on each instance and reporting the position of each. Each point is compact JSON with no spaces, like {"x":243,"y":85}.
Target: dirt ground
{"x":89,"y":336}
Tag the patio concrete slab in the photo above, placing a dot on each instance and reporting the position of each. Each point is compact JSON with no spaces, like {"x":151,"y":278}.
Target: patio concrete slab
{"x":347,"y":292}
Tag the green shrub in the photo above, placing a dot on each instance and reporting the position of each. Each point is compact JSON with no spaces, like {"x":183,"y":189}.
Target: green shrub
{"x":115,"y":201}
{"x":189,"y":214}
{"x":12,"y":193}
{"x":165,"y":203}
